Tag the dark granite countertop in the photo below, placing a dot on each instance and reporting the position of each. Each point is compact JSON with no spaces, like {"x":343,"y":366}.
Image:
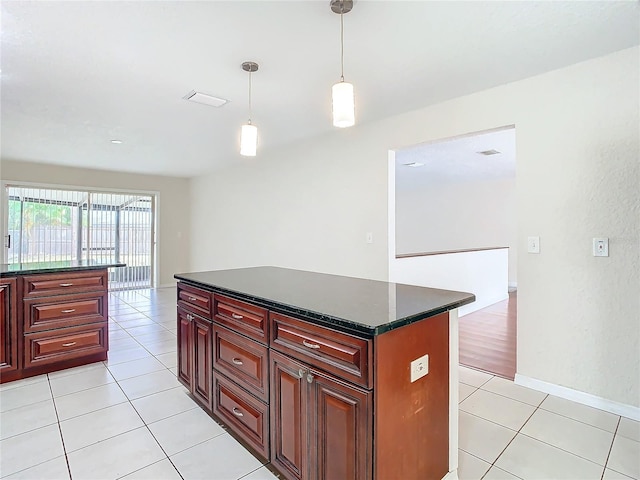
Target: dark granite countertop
{"x":13,"y":269}
{"x":354,"y":305}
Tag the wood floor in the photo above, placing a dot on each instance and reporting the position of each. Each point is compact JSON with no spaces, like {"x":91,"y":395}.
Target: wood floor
{"x":488,"y":338}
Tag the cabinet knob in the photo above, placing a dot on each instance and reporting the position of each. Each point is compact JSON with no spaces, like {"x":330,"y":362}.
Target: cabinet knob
{"x":301,"y":373}
{"x":313,"y":346}
{"x":189,"y":317}
{"x":237,"y":361}
{"x":309,"y":378}
{"x":236,"y":316}
{"x":237,"y":412}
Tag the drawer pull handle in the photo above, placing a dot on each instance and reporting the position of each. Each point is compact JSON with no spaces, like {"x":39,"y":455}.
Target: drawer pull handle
{"x":66,"y":284}
{"x":237,"y":361}
{"x":237,"y":412}
{"x":70,"y":344}
{"x":70,"y":310}
{"x":313,"y":346}
{"x":192,"y":299}
{"x":236,"y":316}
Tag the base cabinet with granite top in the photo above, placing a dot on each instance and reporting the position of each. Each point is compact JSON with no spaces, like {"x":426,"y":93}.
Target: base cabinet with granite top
{"x":312,"y":372}
{"x":8,"y":326}
{"x":52,"y":317}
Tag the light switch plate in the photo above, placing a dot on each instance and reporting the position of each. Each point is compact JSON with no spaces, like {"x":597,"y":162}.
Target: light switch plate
{"x":533,"y":244}
{"x":419,"y":367}
{"x":601,"y":247}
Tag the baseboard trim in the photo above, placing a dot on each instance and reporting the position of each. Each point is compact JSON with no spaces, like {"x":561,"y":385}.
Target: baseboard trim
{"x":453,"y":475}
{"x":628,"y":411}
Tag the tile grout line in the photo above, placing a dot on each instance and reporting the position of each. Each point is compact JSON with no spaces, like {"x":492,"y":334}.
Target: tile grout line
{"x":55,"y":408}
{"x":611,"y":448}
{"x":514,"y":437}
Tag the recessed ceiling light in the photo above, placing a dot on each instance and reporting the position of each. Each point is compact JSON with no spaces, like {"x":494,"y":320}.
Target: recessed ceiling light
{"x":117,"y":142}
{"x":489,"y":152}
{"x":204,"y":99}
{"x":414,"y":164}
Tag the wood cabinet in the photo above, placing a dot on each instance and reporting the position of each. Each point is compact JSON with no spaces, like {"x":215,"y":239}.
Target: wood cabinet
{"x":321,"y":426}
{"x":60,"y":320}
{"x":319,"y":403}
{"x":8,"y":326}
{"x":195,"y":344}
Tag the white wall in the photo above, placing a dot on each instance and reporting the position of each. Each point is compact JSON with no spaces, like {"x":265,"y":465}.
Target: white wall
{"x":483,"y":273}
{"x":485,"y":213}
{"x":310,"y":205}
{"x":173,"y":223}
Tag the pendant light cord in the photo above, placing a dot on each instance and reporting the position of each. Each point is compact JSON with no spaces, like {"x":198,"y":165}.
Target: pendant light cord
{"x":342,"y":44}
{"x":250,"y":97}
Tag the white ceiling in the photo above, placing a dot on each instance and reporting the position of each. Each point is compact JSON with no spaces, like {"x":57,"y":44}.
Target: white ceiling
{"x":457,"y":160}
{"x":77,"y":74}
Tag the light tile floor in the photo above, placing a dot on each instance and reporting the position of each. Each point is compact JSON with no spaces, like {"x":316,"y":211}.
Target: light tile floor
{"x":130,"y":418}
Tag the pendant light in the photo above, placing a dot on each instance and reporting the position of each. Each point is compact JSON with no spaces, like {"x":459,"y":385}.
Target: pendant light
{"x":249,"y":132}
{"x":343,"y":107}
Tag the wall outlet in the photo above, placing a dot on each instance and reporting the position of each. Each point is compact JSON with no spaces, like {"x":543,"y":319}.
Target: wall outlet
{"x":419,"y":367}
{"x":533,"y":245}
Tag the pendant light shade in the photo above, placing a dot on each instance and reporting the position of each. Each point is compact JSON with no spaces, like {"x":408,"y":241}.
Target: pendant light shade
{"x":342,"y":98}
{"x":249,"y":132}
{"x":343,"y":105}
{"x":248,"y":140}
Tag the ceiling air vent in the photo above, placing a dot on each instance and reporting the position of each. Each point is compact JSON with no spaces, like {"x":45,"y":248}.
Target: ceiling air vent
{"x":489,"y":152}
{"x":204,"y":99}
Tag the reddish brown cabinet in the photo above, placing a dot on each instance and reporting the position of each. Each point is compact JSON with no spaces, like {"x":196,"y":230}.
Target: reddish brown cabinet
{"x":195,"y":343}
{"x":8,"y":325}
{"x":321,"y":426}
{"x":289,"y":417}
{"x":195,"y":355}
{"x":317,"y":402}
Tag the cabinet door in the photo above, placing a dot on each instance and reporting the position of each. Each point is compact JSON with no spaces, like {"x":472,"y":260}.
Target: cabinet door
{"x":8,"y":325}
{"x":202,"y":360}
{"x":341,"y":429}
{"x":289,"y":417}
{"x":185,"y":348}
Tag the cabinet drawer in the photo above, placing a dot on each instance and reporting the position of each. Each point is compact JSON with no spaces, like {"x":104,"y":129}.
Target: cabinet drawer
{"x":247,"y":415}
{"x":242,"y":317}
{"x":343,"y":355}
{"x":63,"y":311}
{"x":62,"y":283}
{"x":244,"y":361}
{"x":195,"y":300}
{"x":64,"y":344}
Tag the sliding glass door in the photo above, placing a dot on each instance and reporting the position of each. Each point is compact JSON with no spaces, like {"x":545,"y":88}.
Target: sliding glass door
{"x":45,"y":224}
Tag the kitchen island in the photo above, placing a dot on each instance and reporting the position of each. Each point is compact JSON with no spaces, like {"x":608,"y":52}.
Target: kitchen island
{"x":53,"y":315}
{"x":325,"y":377}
